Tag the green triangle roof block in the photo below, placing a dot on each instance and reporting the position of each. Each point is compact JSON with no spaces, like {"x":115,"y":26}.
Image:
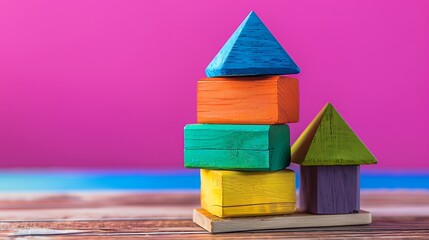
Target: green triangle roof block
{"x":252,"y":50}
{"x":329,"y":140}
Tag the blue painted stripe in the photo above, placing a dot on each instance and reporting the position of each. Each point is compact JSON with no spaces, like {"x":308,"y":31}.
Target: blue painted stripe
{"x":98,"y":180}
{"x":163,"y":180}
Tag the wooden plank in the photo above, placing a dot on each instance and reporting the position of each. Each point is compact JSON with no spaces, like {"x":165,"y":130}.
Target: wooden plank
{"x":248,"y":100}
{"x":236,"y":194}
{"x":396,"y":214}
{"x":329,"y":140}
{"x":329,"y":189}
{"x":108,"y":213}
{"x":214,"y":224}
{"x":26,"y":206}
{"x":339,"y":234}
{"x":183,"y":229}
{"x":237,"y":147}
{"x":251,"y":50}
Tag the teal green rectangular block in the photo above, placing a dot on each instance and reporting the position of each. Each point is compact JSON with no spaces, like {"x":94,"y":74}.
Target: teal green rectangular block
{"x":237,"y":147}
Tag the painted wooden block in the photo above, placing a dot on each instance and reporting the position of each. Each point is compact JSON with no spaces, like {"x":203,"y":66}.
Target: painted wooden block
{"x":250,"y":100}
{"x":251,"y":50}
{"x":329,"y":189}
{"x":238,"y":194}
{"x":237,"y":147}
{"x":214,"y":224}
{"x":328,"y":140}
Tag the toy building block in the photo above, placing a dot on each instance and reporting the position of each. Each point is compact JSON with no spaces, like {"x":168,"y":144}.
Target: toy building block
{"x":329,"y":189}
{"x":237,"y":147}
{"x":330,"y":153}
{"x":239,"y":194}
{"x":250,"y":100}
{"x":328,"y":140}
{"x":214,"y":224}
{"x":251,"y":50}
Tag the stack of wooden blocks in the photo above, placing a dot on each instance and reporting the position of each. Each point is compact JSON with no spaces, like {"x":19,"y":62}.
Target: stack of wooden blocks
{"x":242,"y":143}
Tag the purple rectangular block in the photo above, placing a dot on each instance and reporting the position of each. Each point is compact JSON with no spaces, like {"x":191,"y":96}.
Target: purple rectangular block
{"x":329,"y":189}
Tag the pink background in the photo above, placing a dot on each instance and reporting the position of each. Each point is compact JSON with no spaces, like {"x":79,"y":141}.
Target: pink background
{"x":112,"y":83}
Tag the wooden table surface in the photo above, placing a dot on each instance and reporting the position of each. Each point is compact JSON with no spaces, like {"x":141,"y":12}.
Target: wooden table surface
{"x":167,"y":215}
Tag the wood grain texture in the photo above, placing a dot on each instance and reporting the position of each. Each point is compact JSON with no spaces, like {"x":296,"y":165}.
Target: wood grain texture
{"x":214,"y":224}
{"x":251,"y":50}
{"x":249,"y":100}
{"x":329,"y":140}
{"x":237,"y":194}
{"x":329,"y":189}
{"x":237,"y":147}
{"x":100,"y":215}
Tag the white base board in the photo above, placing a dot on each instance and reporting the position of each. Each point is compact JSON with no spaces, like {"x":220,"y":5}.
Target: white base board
{"x":214,"y":224}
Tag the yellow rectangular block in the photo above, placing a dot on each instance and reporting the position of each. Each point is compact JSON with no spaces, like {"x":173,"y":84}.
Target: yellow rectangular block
{"x":239,"y":194}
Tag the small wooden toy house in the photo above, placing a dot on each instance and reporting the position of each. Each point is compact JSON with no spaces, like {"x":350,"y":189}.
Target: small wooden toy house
{"x":330,"y":154}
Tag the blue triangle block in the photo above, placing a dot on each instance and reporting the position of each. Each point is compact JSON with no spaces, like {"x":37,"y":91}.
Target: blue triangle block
{"x":251,"y":50}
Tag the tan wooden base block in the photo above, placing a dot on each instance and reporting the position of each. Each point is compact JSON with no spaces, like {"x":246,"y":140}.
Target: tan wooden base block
{"x":214,"y":224}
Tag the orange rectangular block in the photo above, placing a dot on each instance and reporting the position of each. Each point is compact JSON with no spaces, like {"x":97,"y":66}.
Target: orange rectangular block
{"x":248,"y":100}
